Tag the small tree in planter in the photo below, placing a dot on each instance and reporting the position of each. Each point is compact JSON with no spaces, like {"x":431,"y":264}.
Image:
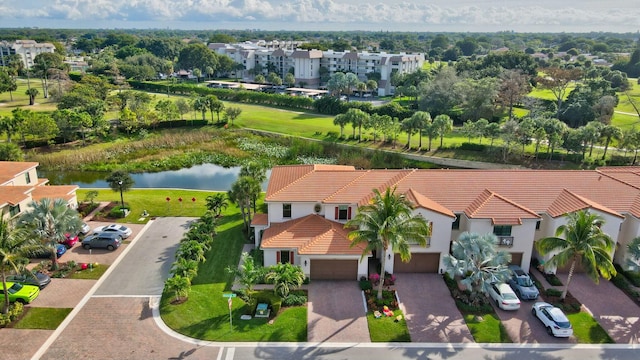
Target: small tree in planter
{"x":180,"y":287}
{"x":246,"y":275}
{"x":285,"y":277}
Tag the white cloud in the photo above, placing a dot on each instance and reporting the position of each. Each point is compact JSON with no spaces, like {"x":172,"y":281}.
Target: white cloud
{"x":416,"y":14}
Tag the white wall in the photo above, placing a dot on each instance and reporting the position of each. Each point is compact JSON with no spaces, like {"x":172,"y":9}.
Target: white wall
{"x":630,"y":229}
{"x":523,"y":236}
{"x":298,"y":210}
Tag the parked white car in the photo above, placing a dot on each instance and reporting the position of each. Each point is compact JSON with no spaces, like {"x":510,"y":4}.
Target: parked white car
{"x":553,"y":319}
{"x":121,"y":230}
{"x":504,"y":296}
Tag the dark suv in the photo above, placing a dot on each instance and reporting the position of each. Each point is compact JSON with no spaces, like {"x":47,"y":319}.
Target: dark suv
{"x":104,"y":240}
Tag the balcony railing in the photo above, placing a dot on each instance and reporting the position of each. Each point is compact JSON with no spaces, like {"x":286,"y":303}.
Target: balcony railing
{"x":505,"y":241}
{"x":415,"y":243}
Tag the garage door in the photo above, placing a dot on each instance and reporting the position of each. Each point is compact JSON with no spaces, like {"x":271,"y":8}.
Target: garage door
{"x":516,"y":259}
{"x":419,"y":263}
{"x":334,"y":269}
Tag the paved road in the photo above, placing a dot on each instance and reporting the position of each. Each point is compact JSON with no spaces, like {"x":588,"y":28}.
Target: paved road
{"x":143,"y":271}
{"x":424,"y":352}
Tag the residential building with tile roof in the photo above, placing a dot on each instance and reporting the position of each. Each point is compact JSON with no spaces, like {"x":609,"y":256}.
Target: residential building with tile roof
{"x":26,"y":49}
{"x":519,"y":206}
{"x":20,"y":186}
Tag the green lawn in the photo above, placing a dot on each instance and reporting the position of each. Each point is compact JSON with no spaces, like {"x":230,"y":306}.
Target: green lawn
{"x":42,"y":318}
{"x":486,"y":328}
{"x":587,"y":330}
{"x":205,"y":314}
{"x":90,"y":274}
{"x":386,"y":329}
{"x":154,"y":201}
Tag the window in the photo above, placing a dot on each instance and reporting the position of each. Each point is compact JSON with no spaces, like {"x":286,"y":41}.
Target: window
{"x":343,"y":212}
{"x":502,"y":230}
{"x":284,"y":257}
{"x":14,"y":210}
{"x":455,"y":225}
{"x":27,"y":178}
{"x":538,"y":225}
{"x":286,"y":210}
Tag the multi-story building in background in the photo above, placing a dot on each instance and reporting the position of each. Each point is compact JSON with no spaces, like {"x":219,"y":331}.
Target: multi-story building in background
{"x":26,"y":49}
{"x":306,"y":64}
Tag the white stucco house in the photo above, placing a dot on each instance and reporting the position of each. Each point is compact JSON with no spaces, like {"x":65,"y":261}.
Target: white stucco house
{"x":309,"y":204}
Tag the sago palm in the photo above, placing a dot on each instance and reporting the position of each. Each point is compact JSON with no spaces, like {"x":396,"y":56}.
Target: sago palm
{"x":388,"y":222}
{"x":580,"y":240}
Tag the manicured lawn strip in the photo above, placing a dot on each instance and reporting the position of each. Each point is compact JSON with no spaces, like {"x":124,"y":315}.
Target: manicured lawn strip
{"x":42,"y":318}
{"x":487,"y":330}
{"x":587,"y":330}
{"x":155,"y":202}
{"x":90,"y":274}
{"x":205,"y":314}
{"x":385,"y":329}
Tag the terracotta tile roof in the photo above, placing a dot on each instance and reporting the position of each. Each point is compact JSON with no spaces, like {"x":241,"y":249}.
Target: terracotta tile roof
{"x":310,"y":235}
{"x":13,"y":195}
{"x":627,"y":174}
{"x":66,"y":192}
{"x":10,"y":169}
{"x":424,"y":202}
{"x":501,"y":211}
{"x":260,"y":219}
{"x":568,"y":202}
{"x":533,"y":191}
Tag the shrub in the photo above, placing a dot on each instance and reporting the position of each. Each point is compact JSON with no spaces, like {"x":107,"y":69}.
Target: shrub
{"x":365,"y":285}
{"x":14,"y":312}
{"x":294,"y":300}
{"x":117,"y":212}
{"x":553,"y":292}
{"x":474,"y":309}
{"x":633,"y":277}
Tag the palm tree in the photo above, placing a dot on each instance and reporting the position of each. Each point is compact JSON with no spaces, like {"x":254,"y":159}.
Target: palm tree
{"x":476,"y":261}
{"x":388,"y":223}
{"x":634,"y":254}
{"x":341,"y":120}
{"x":246,"y":275}
{"x":120,"y":180}
{"x":15,"y":244}
{"x":421,"y":120}
{"x":216,"y":203}
{"x":186,"y":268}
{"x":179,"y":285}
{"x":609,"y":132}
{"x":443,"y":124}
{"x":583,"y":242}
{"x":32,"y":93}
{"x":242,"y":192}
{"x":285,"y":277}
{"x":191,"y":250}
{"x":50,"y":220}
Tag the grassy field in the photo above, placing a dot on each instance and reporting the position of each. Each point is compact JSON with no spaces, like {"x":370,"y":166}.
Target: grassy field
{"x":21,"y":100}
{"x":42,"y":318}
{"x":154,"y":201}
{"x":205,"y":314}
{"x":387,"y":329}
{"x":587,"y":330}
{"x":90,"y":274}
{"x":486,"y":328}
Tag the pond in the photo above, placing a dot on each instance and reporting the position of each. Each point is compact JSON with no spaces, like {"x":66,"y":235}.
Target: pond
{"x":200,"y":177}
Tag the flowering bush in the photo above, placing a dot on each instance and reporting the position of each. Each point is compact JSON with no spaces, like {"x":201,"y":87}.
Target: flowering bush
{"x":374,"y":278}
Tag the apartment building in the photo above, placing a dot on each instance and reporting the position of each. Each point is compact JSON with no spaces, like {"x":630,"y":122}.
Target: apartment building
{"x":306,"y":64}
{"x":27,"y":49}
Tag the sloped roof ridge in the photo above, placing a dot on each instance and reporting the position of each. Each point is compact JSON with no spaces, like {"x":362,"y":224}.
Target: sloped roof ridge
{"x":432,"y":204}
{"x":593,"y":204}
{"x":311,"y":170}
{"x":478,"y":202}
{"x":364,"y":173}
{"x":515,"y":204}
{"x":612,"y":177}
{"x":392,"y":182}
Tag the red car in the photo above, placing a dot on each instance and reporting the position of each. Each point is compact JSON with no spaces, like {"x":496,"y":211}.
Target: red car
{"x":70,"y":240}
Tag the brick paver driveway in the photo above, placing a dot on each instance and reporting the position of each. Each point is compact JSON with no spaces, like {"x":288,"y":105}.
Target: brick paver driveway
{"x":523,"y":327}
{"x":612,"y":308}
{"x":431,"y":313}
{"x":335,"y":312}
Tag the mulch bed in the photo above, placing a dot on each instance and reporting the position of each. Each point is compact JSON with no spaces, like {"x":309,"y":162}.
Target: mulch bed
{"x":103,"y":215}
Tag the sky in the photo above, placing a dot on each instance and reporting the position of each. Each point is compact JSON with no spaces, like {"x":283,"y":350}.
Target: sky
{"x":370,"y":15}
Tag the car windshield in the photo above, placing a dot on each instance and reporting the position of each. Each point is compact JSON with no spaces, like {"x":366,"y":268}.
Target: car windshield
{"x":525,"y":281}
{"x":15,"y":288}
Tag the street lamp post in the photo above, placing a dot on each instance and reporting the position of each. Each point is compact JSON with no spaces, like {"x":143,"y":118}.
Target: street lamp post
{"x":121,"y":199}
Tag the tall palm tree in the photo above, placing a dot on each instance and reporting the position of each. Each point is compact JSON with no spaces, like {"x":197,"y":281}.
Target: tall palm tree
{"x":421,"y":120}
{"x":609,"y":132}
{"x":475,"y":259}
{"x":583,"y":242}
{"x":634,"y":254}
{"x":50,"y":220}
{"x":15,"y":244}
{"x":242,"y":192}
{"x":388,"y":223}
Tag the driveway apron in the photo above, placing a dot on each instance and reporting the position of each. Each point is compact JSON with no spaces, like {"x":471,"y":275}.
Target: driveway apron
{"x":430,"y":312}
{"x":612,"y":308}
{"x":336,"y":313}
